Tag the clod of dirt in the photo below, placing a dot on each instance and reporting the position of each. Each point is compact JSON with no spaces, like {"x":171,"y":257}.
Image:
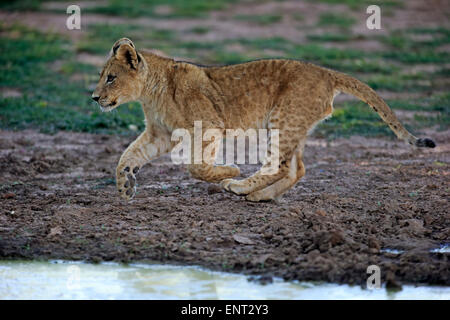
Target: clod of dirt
{"x":391,"y":282}
{"x":8,"y":195}
{"x":265,"y":279}
{"x":321,"y":212}
{"x":56,"y":231}
{"x":242,"y":239}
{"x":214,"y":188}
{"x":261,"y":259}
{"x":413,"y":226}
{"x":374,"y":244}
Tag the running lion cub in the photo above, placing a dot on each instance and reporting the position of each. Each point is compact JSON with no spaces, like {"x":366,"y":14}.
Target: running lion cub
{"x":287,"y":95}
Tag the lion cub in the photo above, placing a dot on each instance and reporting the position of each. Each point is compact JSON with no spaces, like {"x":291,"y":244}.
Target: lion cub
{"x":287,"y":95}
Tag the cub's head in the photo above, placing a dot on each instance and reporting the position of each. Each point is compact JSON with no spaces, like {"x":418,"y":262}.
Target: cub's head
{"x":122,"y":78}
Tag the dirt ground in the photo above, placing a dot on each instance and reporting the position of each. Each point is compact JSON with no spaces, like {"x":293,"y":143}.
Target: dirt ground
{"x":359,"y":197}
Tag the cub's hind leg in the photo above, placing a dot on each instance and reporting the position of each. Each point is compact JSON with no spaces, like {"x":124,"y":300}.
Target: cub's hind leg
{"x":206,"y":170}
{"x":275,"y":190}
{"x":277,"y":165}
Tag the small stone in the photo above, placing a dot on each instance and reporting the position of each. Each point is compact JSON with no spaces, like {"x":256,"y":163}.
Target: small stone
{"x":321,"y":212}
{"x":56,"y":231}
{"x":391,"y":282}
{"x":8,"y":195}
{"x":214,"y":188}
{"x":374,"y":244}
{"x":133,"y":127}
{"x":242,"y":239}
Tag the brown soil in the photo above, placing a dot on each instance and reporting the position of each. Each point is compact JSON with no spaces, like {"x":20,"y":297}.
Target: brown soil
{"x":359,"y":196}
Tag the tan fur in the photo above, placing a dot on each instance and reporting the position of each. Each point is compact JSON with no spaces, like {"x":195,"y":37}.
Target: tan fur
{"x":288,"y":95}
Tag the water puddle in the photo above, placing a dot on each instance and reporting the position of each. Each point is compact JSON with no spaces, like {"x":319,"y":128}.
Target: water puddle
{"x":445,"y":248}
{"x":77,"y":280}
{"x":393,"y":251}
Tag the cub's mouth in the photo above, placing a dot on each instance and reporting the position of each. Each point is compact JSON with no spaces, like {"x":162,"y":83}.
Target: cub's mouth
{"x":108,"y":107}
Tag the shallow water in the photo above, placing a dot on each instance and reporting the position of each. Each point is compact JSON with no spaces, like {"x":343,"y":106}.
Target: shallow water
{"x":77,"y":280}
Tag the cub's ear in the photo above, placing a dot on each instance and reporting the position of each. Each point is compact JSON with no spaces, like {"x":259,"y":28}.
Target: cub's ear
{"x":125,"y":51}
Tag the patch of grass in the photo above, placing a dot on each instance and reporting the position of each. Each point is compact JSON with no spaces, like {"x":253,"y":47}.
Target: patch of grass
{"x":102,"y":36}
{"x":330,"y":37}
{"x":353,"y":119}
{"x":177,"y":8}
{"x":261,"y":19}
{"x":404,"y":39}
{"x":415,"y":57}
{"x":358,"y":4}
{"x":334,"y":19}
{"x":440,"y":103}
{"x":276,"y":43}
{"x":441,"y":120}
{"x":298,"y":17}
{"x":225,"y":57}
{"x":398,"y":83}
{"x":200,"y":30}
{"x":365,"y":66}
{"x":445,"y":72}
{"x":20,"y":5}
{"x":322,"y":55}
{"x":309,"y":52}
{"x":357,"y":118}
{"x":51,"y":101}
{"x":411,"y":51}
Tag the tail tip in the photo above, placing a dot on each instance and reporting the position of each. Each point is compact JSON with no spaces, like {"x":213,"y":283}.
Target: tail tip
{"x":427,"y":143}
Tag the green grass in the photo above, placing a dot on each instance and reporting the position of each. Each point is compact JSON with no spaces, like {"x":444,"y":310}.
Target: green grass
{"x":416,"y":57}
{"x":334,"y":19}
{"x":441,"y":120}
{"x":51,"y":101}
{"x":440,"y":103}
{"x":358,"y":4}
{"x":403,"y":40}
{"x":309,"y":52}
{"x":357,"y":118}
{"x":261,"y":19}
{"x":102,"y":36}
{"x":353,"y":119}
{"x":366,"y":66}
{"x":20,"y":5}
{"x":397,"y":83}
{"x":178,"y":8}
{"x":200,"y":30}
{"x":408,"y":50}
{"x":135,"y":8}
{"x":330,"y":37}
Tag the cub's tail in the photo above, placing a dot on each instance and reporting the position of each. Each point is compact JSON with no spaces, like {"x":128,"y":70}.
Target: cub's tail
{"x":348,"y":84}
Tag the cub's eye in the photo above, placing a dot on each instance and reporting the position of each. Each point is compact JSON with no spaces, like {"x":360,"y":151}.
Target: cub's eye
{"x":110,"y":78}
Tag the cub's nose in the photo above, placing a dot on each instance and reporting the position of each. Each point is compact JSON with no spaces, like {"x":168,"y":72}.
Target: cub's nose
{"x":95,"y":98}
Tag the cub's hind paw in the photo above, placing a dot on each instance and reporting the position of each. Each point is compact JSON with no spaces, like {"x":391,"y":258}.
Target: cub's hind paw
{"x":234,"y":186}
{"x":126,"y":183}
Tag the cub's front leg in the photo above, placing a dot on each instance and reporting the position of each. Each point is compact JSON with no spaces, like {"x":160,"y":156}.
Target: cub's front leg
{"x":145,"y":148}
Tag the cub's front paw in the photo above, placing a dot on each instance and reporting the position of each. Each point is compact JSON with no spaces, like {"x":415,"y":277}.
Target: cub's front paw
{"x":126,"y":182}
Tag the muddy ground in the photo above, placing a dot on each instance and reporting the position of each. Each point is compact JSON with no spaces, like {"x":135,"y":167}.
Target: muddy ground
{"x":359,"y":197}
